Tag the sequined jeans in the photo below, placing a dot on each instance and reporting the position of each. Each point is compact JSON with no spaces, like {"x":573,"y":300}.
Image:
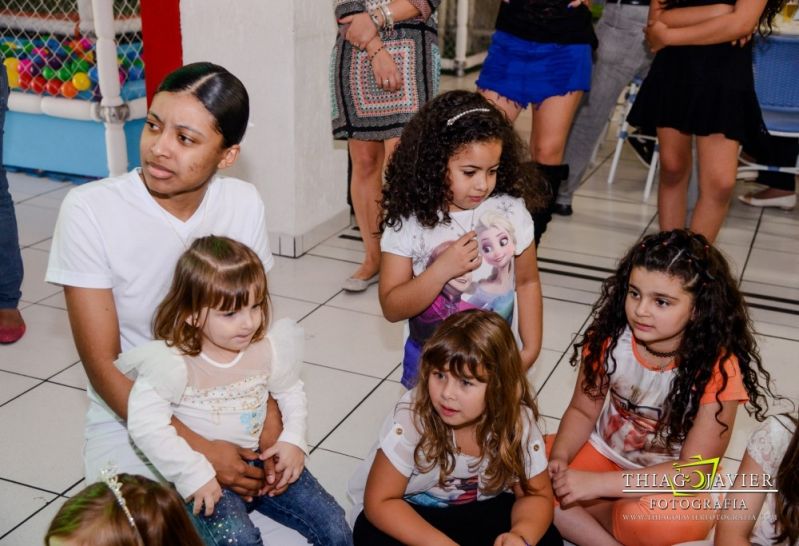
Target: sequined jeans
{"x":305,"y":507}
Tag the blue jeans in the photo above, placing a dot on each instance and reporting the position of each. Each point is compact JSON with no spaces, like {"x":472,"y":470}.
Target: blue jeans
{"x":10,"y":257}
{"x":305,"y":507}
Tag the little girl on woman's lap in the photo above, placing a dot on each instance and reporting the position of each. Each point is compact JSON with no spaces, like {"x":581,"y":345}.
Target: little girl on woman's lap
{"x":672,"y":346}
{"x":460,"y":460}
{"x":213,"y":367}
{"x":457,"y":162}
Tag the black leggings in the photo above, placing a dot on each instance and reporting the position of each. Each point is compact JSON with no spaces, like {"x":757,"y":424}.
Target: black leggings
{"x":473,"y":524}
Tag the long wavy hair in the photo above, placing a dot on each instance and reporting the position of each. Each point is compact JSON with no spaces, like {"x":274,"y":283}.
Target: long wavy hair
{"x":214,"y":273}
{"x":765,"y":23}
{"x":787,"y":498}
{"x":417,"y":180}
{"x":477,"y":344}
{"x":719,"y":329}
{"x":94,"y":517}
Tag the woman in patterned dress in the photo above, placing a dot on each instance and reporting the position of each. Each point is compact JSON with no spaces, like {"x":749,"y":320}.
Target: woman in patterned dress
{"x":384,"y":66}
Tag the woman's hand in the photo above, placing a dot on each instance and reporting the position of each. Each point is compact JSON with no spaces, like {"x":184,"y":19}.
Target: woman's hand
{"x":207,"y":495}
{"x":387,"y":76}
{"x":361,"y":29}
{"x":576,"y":485}
{"x":232,"y":471}
{"x":290,"y":460}
{"x":656,"y":33}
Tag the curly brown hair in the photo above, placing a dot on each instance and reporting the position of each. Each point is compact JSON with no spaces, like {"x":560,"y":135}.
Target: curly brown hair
{"x":787,"y":499}
{"x":417,"y":172}
{"x":719,"y":328}
{"x":477,"y":344}
{"x":214,"y":273}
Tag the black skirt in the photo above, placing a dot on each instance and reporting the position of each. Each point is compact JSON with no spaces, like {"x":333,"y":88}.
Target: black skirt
{"x":701,"y":90}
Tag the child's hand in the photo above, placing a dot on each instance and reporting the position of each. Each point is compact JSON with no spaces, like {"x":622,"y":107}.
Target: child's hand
{"x":510,"y":539}
{"x":208,"y":495}
{"x":290,"y":461}
{"x":461,"y":257}
{"x":656,"y":33}
{"x":575,"y":485}
{"x":556,"y":466}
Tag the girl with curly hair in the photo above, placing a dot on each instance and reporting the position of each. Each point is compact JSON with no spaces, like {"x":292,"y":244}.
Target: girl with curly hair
{"x":671,"y":345}
{"x":458,"y":160}
{"x":460,"y":460}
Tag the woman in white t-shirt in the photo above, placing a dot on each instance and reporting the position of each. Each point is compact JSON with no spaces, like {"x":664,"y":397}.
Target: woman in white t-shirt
{"x":116,"y":242}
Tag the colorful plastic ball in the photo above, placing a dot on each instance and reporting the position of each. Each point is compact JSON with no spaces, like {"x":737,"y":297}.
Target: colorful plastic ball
{"x":136,"y":72}
{"x":81,"y":65}
{"x":39,"y":61}
{"x":53,"y":87}
{"x":64,"y":73}
{"x":24,"y":81}
{"x":68,"y":90}
{"x":48,"y":73}
{"x":13,"y":79}
{"x":37,"y":84}
{"x":27,"y":47}
{"x":24,"y":66}
{"x":123,"y":76}
{"x":55,"y":63}
{"x":12,"y":64}
{"x":93,"y":74}
{"x":86,"y":44}
{"x":81,"y":81}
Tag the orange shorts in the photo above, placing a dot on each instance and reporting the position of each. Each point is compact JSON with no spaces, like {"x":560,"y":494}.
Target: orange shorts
{"x":652,"y":520}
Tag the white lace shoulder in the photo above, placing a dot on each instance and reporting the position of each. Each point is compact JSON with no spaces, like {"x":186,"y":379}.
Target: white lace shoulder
{"x":163,"y":367}
{"x":768,"y":443}
{"x":287,"y":339}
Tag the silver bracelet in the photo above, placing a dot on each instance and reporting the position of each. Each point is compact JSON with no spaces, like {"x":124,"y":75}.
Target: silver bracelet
{"x":374,"y":18}
{"x":388,"y":18}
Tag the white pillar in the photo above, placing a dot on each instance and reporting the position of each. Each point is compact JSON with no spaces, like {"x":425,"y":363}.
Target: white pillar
{"x":281,"y":51}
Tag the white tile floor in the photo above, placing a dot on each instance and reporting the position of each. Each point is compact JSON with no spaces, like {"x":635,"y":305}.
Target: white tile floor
{"x":352,"y":353}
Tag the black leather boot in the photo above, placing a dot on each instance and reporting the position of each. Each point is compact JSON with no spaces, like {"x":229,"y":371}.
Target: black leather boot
{"x":551,"y":177}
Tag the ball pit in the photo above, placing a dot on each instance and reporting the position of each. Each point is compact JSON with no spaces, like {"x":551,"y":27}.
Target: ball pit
{"x":66,"y":67}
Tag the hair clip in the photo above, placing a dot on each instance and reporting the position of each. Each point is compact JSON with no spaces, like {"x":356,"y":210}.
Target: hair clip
{"x":456,"y":117}
{"x":109,"y":476}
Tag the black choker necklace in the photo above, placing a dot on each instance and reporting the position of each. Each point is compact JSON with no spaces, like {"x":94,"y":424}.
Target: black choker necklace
{"x":669,"y":354}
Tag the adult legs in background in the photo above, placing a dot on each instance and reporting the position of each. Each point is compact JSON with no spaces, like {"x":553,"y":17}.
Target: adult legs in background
{"x":551,"y":122}
{"x":621,"y":55}
{"x":780,"y":190}
{"x":675,"y":170}
{"x":12,"y":327}
{"x":368,"y":158}
{"x":718,"y":163}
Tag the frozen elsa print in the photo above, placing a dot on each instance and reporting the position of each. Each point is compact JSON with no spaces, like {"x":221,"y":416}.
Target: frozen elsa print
{"x":497,"y":242}
{"x":449,"y":301}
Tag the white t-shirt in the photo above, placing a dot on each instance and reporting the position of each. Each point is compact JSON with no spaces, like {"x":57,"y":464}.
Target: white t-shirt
{"x":504,"y":230}
{"x":218,"y":401}
{"x":767,"y":446}
{"x":625,"y":429}
{"x":398,"y":440}
{"x":113,"y":234}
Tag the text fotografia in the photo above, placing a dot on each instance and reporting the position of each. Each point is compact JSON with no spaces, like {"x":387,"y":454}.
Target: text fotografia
{"x":698,"y":476}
